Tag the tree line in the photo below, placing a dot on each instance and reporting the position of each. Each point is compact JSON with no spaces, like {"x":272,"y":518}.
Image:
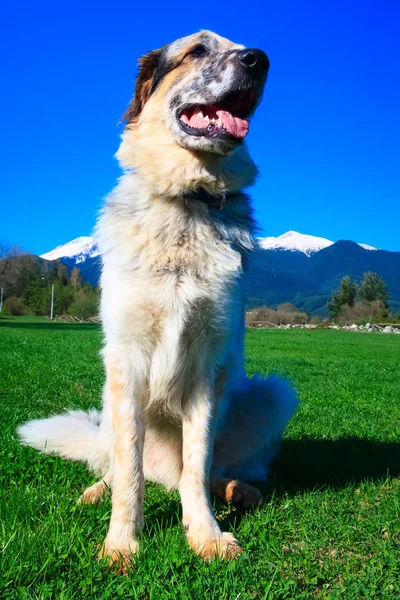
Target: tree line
{"x":368,"y":300}
{"x":27,"y":280}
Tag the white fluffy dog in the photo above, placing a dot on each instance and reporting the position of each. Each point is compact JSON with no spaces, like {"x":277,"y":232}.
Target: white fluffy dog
{"x":175,"y":237}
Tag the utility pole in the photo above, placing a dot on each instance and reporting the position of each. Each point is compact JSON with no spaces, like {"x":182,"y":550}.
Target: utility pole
{"x":52,"y":302}
{"x":1,"y":298}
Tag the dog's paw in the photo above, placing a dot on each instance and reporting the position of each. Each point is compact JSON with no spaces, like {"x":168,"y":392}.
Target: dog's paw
{"x":119,"y":557}
{"x":242,"y":494}
{"x":94,"y":493}
{"x":225,"y":547}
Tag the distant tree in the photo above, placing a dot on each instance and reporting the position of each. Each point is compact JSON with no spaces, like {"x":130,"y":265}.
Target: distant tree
{"x":8,"y":250}
{"x":343,"y":297}
{"x":27,"y":282}
{"x":76,"y":279}
{"x":62,"y":273}
{"x":33,"y":289}
{"x":348,"y":291}
{"x":84,"y":305}
{"x":367,"y":301}
{"x":63,"y":298}
{"x":335,"y":306}
{"x":374,"y":288}
{"x":53,"y":272}
{"x":361,"y":313}
{"x":287,"y":307}
{"x":14,"y":268}
{"x":15,"y":306}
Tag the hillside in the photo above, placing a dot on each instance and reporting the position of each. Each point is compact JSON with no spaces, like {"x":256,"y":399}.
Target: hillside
{"x":293,"y":267}
{"x":277,"y":276}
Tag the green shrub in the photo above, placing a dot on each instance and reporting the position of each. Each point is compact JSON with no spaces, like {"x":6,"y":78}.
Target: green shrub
{"x":275,"y":317}
{"x":84,"y":305}
{"x":363,"y":312}
{"x":15,"y":306}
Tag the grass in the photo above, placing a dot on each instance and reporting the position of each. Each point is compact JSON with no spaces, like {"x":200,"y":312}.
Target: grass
{"x":330,"y":527}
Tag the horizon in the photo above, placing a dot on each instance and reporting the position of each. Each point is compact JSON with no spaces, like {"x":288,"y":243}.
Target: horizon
{"x":86,"y":244}
{"x":328,"y":126}
{"x":91,"y":238}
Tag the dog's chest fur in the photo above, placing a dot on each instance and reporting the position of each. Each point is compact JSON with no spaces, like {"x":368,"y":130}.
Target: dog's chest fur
{"x":184,"y":247}
{"x":172,"y":285}
{"x":189,"y":244}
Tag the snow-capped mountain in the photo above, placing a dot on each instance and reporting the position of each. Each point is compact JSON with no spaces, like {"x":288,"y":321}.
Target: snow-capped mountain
{"x":297,"y":268}
{"x":79,"y":250}
{"x":294,"y":241}
{"x":85,"y":247}
{"x":299,"y":242}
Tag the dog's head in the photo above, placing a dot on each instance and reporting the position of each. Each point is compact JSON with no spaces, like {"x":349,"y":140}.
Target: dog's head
{"x":204,"y":87}
{"x":200,"y":91}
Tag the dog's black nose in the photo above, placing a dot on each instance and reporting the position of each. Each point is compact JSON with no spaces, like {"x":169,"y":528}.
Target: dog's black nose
{"x":254,"y":60}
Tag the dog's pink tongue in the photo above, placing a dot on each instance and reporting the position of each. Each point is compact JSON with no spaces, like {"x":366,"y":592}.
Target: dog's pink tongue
{"x":237,"y":127}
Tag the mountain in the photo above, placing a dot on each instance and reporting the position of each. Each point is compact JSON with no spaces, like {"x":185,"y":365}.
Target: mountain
{"x":300,"y":242}
{"x":294,"y":241}
{"x":293,"y":267}
{"x":307,"y":281}
{"x":82,"y":248}
{"x":89,"y":269}
{"x":79,"y":250}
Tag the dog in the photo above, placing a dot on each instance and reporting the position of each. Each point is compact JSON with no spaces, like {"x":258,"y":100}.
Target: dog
{"x":175,"y":237}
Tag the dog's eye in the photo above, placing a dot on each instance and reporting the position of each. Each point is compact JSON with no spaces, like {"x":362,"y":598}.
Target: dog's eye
{"x":198,"y":50}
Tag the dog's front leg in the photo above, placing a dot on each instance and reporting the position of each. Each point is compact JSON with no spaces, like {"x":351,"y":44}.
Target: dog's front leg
{"x":202,"y":530}
{"x":123,"y":392}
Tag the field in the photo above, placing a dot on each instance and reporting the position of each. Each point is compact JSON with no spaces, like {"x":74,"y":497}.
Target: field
{"x":330,"y":527}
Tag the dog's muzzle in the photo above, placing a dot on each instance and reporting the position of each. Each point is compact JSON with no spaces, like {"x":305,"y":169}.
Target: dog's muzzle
{"x":226,"y":119}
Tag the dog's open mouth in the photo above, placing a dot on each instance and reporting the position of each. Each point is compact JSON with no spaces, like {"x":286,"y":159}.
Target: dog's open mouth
{"x":227,"y":117}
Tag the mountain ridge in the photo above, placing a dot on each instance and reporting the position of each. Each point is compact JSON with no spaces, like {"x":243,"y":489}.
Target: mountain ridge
{"x":85,"y":247}
{"x":80,"y":248}
{"x":297,"y":273}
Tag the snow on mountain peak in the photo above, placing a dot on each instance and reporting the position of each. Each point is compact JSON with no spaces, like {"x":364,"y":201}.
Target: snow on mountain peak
{"x":85,"y":247}
{"x":295,"y":242}
{"x":367,"y":247}
{"x":79,"y":249}
{"x":299,"y":242}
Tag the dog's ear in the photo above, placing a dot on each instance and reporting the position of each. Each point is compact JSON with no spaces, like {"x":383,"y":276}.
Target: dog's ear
{"x":148,"y":66}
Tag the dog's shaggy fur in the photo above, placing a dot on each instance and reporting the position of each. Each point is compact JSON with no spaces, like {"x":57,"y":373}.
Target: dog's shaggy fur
{"x":175,"y":237}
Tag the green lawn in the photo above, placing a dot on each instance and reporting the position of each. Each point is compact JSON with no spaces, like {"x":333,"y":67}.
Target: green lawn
{"x":331,"y":524}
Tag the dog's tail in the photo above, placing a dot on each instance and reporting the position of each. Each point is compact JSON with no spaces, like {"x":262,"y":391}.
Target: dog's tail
{"x":250,"y":433}
{"x":75,"y":435}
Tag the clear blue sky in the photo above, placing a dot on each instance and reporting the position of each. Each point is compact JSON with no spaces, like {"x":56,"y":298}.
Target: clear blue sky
{"x":326,"y":138}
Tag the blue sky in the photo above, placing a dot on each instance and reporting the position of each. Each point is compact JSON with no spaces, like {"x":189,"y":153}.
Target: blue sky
{"x":326,"y":138}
